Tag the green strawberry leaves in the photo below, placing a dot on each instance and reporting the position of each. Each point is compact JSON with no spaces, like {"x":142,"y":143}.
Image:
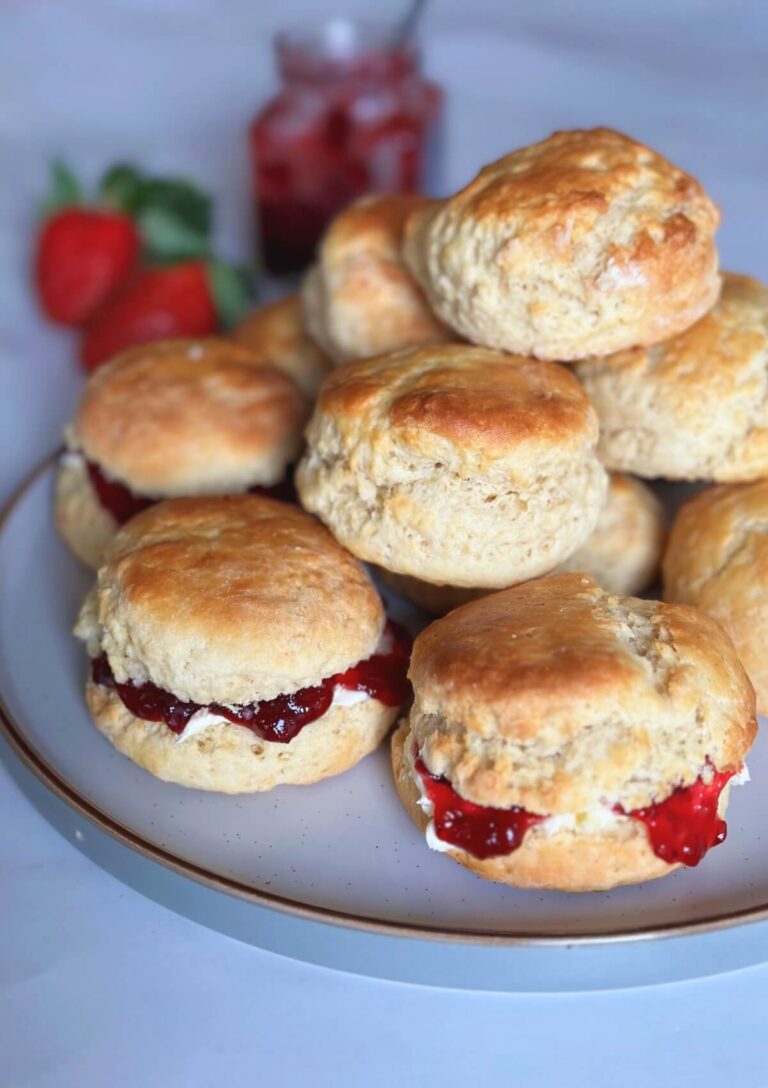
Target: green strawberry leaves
{"x":120,"y":188}
{"x":168,"y":238}
{"x":180,"y":198}
{"x":174,"y":219}
{"x":64,"y":190}
{"x":174,"y":216}
{"x":230,"y":290}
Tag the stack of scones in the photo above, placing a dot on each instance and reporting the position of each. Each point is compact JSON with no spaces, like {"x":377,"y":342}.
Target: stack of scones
{"x":488,"y":379}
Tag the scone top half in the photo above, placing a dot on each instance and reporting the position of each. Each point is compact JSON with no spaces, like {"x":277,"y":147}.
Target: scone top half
{"x":584,"y":243}
{"x":455,"y":464}
{"x":229,"y":601}
{"x":277,"y":332}
{"x":581,"y":708}
{"x":181,"y":417}
{"x":360,"y":299}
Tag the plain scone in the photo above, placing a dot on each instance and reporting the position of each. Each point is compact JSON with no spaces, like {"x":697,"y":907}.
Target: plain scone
{"x":360,"y":299}
{"x":582,"y":244}
{"x":565,"y":701}
{"x":696,"y":406}
{"x":622,"y":554}
{"x":717,"y":560}
{"x":232,"y":601}
{"x":174,"y":417}
{"x":454,"y":464}
{"x":277,"y":333}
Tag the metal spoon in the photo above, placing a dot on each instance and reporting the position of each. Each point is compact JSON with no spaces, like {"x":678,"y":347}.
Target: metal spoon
{"x":406,"y":28}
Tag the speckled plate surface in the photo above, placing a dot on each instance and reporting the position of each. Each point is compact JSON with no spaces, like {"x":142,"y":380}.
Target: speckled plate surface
{"x":341,"y":852}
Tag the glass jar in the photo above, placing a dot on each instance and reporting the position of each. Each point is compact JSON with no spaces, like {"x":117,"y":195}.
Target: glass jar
{"x":354,"y":115}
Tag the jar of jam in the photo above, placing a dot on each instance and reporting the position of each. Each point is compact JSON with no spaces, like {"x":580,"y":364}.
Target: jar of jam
{"x":354,"y":114}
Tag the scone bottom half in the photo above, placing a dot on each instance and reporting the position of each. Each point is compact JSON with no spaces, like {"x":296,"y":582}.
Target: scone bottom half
{"x":593,"y":807}
{"x":270,"y":575}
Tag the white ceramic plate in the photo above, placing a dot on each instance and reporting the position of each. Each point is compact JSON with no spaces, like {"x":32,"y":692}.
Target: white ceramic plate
{"x":342,"y":851}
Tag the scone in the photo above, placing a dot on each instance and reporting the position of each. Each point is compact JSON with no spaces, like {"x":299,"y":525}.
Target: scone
{"x":717,"y":560}
{"x":622,"y":554}
{"x":564,"y":738}
{"x":175,"y":417}
{"x":360,"y":299}
{"x":454,"y":464}
{"x":235,"y":647}
{"x":696,"y":406}
{"x":582,"y":244}
{"x":277,"y":333}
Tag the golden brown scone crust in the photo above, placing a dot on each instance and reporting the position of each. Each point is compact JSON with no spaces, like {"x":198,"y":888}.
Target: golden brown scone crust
{"x":454,"y":463}
{"x":180,"y":417}
{"x":717,"y":561}
{"x":85,"y":525}
{"x":568,"y":861}
{"x":585,"y":243}
{"x":360,"y":299}
{"x":696,"y":406}
{"x":232,"y":759}
{"x":558,"y":697}
{"x":277,"y":333}
{"x":230,"y":600}
{"x":622,"y":554}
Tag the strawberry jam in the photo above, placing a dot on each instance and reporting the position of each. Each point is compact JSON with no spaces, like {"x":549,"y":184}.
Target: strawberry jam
{"x":382,"y":676}
{"x":480,"y":830}
{"x":684,"y":826}
{"x":681,"y":829}
{"x":353,"y":115}
{"x":123,"y":504}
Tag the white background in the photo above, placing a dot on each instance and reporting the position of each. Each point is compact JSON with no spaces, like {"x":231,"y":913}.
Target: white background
{"x":100,"y":987}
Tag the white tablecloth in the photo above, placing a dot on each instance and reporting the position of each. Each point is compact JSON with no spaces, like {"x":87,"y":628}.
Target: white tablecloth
{"x":101,"y":987}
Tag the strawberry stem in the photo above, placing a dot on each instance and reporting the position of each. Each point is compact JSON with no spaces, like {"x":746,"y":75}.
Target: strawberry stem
{"x":64,"y":190}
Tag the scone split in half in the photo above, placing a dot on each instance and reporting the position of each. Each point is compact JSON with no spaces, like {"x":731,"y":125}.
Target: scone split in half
{"x":235,"y":646}
{"x":564,"y":738}
{"x":171,"y":418}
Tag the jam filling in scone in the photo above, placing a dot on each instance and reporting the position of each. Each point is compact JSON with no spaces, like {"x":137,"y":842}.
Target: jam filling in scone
{"x":681,"y":828}
{"x":123,"y":504}
{"x":382,"y":676}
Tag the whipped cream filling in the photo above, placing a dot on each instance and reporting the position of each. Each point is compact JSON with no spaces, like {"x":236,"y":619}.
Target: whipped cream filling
{"x":72,"y":459}
{"x":426,"y":806}
{"x":596,"y":820}
{"x":203,"y":719}
{"x":741,"y":777}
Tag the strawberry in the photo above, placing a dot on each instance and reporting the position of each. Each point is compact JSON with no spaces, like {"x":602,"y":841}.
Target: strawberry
{"x":83,"y":255}
{"x":188,"y":299}
{"x":88,"y":272}
{"x":157,"y":304}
